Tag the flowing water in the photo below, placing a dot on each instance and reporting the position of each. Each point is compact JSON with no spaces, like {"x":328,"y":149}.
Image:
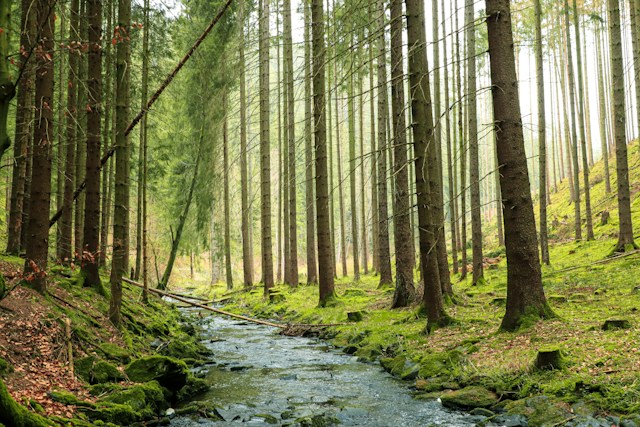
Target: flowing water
{"x":260,"y":378}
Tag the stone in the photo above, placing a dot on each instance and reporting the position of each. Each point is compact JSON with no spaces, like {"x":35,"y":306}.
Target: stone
{"x":469,"y":398}
{"x":482,"y":412}
{"x":170,"y":373}
{"x":506,"y":420}
{"x":96,"y":371}
{"x":616,"y":324}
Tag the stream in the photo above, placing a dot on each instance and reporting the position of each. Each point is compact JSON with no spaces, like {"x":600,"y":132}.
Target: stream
{"x":261,"y":378}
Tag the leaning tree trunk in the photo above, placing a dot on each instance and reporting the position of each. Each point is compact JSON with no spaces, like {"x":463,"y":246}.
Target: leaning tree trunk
{"x":625,"y":230}
{"x":175,"y":243}
{"x":265,"y":151}
{"x":423,"y":141}
{"x":118,"y":262}
{"x":94,"y":131}
{"x":325,"y":255}
{"x":405,"y":291}
{"x":542,"y":153}
{"x":38,"y":227}
{"x":525,"y":296}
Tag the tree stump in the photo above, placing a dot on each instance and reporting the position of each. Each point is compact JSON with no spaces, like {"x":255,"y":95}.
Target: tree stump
{"x":604,"y":217}
{"x":355,"y":316}
{"x":549,"y":359}
{"x":615,"y":324}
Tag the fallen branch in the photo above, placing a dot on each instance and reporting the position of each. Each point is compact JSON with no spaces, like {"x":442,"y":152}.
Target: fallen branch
{"x":205,"y":307}
{"x":150,"y":102}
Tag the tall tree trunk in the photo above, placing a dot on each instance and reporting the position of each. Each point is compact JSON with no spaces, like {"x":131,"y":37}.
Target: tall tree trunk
{"x":144,"y":145}
{"x":373,"y":156}
{"x":247,"y":251}
{"x":581,"y":122}
{"x":120,"y":223}
{"x":384,"y":257}
{"x":7,"y":87}
{"x":38,"y":227}
{"x":94,"y":112}
{"x":602,"y":112}
{"x":108,"y":140}
{"x":265,"y":151}
{"x":405,"y":291}
{"x":81,"y":146}
{"x":175,"y":243}
{"x":450,"y":157}
{"x":363,"y":194}
{"x":574,"y":133}
{"x":352,"y":172}
{"x":325,"y":263}
{"x":423,"y":140}
{"x":625,"y":230}
{"x":293,"y":276}
{"x":226,"y":171}
{"x":525,"y":295}
{"x":462,"y":137}
{"x":24,"y":128}
{"x":542,"y":153}
{"x":474,"y":162}
{"x":312,"y":268}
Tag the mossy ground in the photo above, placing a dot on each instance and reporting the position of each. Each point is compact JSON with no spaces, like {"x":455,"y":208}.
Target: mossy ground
{"x":584,"y":287}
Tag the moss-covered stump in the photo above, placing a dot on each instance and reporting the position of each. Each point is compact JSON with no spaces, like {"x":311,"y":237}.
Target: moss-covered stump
{"x":469,"y":398}
{"x":549,"y":359}
{"x":15,"y":415}
{"x":355,"y":316}
{"x":616,"y":324}
{"x":170,"y":373}
{"x":96,"y":371}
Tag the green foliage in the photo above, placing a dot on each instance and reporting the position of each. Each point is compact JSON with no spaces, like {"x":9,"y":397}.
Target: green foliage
{"x":15,"y":415}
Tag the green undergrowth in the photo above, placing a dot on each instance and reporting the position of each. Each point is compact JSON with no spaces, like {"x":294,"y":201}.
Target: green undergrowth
{"x":134,"y":372}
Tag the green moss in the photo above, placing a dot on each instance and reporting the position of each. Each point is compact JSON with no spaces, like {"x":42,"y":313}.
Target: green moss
{"x":95,"y":371}
{"x":440,"y":364}
{"x":5,"y":367}
{"x":169,"y":372}
{"x":400,"y":367}
{"x":66,"y":398}
{"x":469,"y":398}
{"x":194,"y":387}
{"x":540,"y":411}
{"x":114,"y":352}
{"x":15,"y":415}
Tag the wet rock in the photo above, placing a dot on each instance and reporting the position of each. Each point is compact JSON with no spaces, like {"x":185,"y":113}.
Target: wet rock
{"x":482,"y":412}
{"x":506,"y":420}
{"x":170,"y":413}
{"x":469,"y":398}
{"x":582,"y":421}
{"x":400,"y":367}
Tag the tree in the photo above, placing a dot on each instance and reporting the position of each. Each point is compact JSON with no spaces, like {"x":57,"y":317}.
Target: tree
{"x":625,"y":230}
{"x":226,"y":172}
{"x":544,"y":243}
{"x":384,"y":257}
{"x":474,"y":165}
{"x":353,"y":169}
{"x":325,"y":262}
{"x":292,"y":268}
{"x":40,"y":197}
{"x":94,"y":130}
{"x":247,"y":252}
{"x":404,"y":292}
{"x":265,"y":156}
{"x":525,"y":295}
{"x":120,"y":215}
{"x":312,"y":269}
{"x":423,"y":142}
{"x":24,"y":127}
{"x":7,"y":87}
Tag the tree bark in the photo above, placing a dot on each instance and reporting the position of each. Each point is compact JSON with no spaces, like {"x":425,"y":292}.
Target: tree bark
{"x":226,"y":171}
{"x":312,"y":268}
{"x":625,"y":230}
{"x":94,"y":130}
{"x":423,"y":140}
{"x":352,"y":172}
{"x":7,"y":87}
{"x":525,"y":295}
{"x":325,"y":263}
{"x":405,"y":291}
{"x":542,"y":153}
{"x":265,"y":151}
{"x":602,"y":111}
{"x":38,"y":230}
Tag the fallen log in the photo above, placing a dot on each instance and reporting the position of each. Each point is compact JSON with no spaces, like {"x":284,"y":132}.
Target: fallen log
{"x":205,"y":307}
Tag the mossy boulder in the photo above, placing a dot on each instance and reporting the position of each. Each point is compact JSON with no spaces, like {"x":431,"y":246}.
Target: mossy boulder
{"x":96,"y":371}
{"x":612,"y":324}
{"x":194,"y":387}
{"x":469,"y":398}
{"x":540,"y":410}
{"x":15,"y":415}
{"x":66,"y":398}
{"x":169,"y":372}
{"x":440,"y":364}
{"x":400,"y":367}
{"x":113,"y":352}
{"x":115,"y":413}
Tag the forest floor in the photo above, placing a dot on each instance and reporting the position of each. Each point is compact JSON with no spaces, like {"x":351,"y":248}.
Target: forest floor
{"x":586,"y":285}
